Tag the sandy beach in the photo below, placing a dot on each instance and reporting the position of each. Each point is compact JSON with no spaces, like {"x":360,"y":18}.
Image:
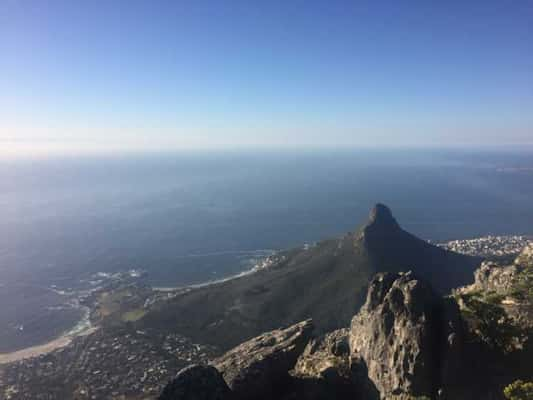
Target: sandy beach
{"x":39,"y":350}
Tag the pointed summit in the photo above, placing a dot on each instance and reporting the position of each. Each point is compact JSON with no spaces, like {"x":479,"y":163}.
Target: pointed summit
{"x":381,"y":215}
{"x":380,"y":223}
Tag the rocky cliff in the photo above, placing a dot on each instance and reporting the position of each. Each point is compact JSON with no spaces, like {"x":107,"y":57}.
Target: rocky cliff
{"x":409,"y":337}
{"x":407,"y":342}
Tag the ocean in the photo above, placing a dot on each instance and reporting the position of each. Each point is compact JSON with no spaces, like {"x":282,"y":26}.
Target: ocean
{"x":192,"y":217}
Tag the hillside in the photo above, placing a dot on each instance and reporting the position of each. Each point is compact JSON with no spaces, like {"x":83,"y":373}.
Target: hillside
{"x":326,"y":282}
{"x":406,"y":342}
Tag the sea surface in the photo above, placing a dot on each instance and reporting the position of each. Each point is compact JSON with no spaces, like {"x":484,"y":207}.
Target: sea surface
{"x":193,"y":217}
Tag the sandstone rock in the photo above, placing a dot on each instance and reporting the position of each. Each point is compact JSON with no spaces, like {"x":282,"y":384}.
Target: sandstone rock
{"x":259,"y":368}
{"x":197,"y":382}
{"x":408,"y":337}
{"x":490,"y":277}
{"x":500,"y":279}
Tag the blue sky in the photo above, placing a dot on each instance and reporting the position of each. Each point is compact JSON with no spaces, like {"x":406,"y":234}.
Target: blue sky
{"x":194,"y":74}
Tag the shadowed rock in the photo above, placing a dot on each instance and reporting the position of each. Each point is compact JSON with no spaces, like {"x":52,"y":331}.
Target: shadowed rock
{"x":259,"y":368}
{"x":326,"y":370}
{"x":197,"y":382}
{"x":381,"y":216}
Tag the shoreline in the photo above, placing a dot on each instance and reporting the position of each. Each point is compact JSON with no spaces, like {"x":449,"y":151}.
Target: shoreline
{"x":42,"y":349}
{"x":186,"y":288}
{"x":82,"y":328}
{"x":85,"y":328}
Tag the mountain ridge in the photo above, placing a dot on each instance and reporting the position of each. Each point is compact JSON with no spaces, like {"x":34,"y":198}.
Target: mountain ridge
{"x":326,"y":282}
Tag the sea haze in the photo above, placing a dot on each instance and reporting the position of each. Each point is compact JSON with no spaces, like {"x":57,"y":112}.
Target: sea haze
{"x":192,"y":217}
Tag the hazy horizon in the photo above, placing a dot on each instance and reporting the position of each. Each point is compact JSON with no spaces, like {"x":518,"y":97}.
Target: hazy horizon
{"x":13,"y":151}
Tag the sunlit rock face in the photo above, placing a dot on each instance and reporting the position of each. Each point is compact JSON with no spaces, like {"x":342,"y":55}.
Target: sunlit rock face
{"x":408,"y":337}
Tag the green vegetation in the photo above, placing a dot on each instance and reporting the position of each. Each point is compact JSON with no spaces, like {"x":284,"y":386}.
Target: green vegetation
{"x":123,"y":304}
{"x":111,"y":302}
{"x":523,"y":285}
{"x":489,"y":320}
{"x":519,"y":390}
{"x":133,"y":315}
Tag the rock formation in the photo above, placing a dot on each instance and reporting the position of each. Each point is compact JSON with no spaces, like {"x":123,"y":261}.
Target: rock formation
{"x":525,"y":258}
{"x":259,"y":368}
{"x":326,"y":356}
{"x":327,"y":370}
{"x":407,"y":336}
{"x":510,"y":286}
{"x":405,"y":342}
{"x":198,"y":382}
{"x":491,"y":277}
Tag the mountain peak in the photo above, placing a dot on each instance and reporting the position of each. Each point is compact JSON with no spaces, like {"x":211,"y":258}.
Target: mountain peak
{"x":381,"y":215}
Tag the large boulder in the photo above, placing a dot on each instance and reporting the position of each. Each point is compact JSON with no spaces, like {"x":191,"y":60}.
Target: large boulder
{"x":259,"y":368}
{"x":408,"y":338}
{"x":197,"y":382}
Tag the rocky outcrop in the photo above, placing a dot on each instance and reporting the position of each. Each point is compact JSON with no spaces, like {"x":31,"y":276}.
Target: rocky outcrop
{"x":408,"y":337}
{"x":326,"y":357}
{"x":197,"y":382}
{"x":525,"y":258}
{"x":500,"y":279}
{"x":491,"y":277}
{"x":327,"y":370}
{"x":259,"y":368}
{"x":405,"y":342}
{"x":508,"y":286}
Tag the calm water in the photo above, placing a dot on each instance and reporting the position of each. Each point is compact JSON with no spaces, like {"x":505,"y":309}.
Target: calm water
{"x":193,"y":217}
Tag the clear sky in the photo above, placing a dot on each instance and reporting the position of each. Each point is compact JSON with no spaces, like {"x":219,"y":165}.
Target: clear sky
{"x":188,"y":74}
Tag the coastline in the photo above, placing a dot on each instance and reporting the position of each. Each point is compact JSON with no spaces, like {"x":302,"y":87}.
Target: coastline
{"x":254,"y":269}
{"x":85,"y":328}
{"x":39,"y":350}
{"x":82,"y":328}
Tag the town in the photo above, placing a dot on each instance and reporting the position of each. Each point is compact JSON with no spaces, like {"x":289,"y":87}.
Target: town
{"x":126,"y":365}
{"x":489,"y":246}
